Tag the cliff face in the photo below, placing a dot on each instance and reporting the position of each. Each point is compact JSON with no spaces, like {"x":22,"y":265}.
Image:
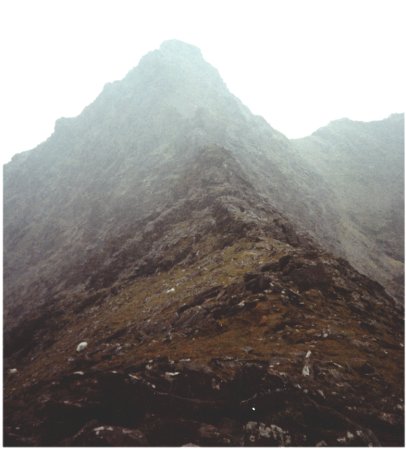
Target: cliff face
{"x":182,"y":238}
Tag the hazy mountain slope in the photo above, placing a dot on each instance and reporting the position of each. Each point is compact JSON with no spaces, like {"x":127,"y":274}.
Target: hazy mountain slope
{"x":169,"y":228}
{"x":363,"y":163}
{"x":102,"y":176}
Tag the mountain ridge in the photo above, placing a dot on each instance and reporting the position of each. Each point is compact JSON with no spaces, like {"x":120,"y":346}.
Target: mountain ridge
{"x":206,"y":120}
{"x":183,"y":239}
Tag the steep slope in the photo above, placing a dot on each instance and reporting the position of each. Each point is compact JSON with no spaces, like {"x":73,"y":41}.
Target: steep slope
{"x":90,"y":189}
{"x":165,"y":227}
{"x":363,"y":163}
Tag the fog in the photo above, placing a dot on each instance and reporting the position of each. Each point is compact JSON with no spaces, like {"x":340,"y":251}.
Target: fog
{"x":299,"y":64}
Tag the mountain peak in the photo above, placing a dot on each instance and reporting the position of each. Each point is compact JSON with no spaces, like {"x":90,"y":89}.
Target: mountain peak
{"x":175,"y":46}
{"x":177,"y":66}
{"x":175,"y":54}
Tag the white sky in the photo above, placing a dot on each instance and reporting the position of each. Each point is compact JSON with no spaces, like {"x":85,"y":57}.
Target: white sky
{"x":298,"y":63}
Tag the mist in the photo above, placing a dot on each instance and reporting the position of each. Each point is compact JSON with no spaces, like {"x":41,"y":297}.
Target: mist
{"x":299,"y":65}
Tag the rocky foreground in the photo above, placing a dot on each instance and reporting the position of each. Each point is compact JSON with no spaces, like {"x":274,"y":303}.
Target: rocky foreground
{"x":260,"y":343}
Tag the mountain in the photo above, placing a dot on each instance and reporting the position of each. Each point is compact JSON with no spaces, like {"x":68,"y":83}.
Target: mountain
{"x":363,"y":164}
{"x":167,"y":281}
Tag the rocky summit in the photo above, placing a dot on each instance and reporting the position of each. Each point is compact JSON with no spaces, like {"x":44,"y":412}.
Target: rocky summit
{"x":179,"y":273}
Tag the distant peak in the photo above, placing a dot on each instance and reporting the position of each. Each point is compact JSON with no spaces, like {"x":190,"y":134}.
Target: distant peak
{"x":396,"y":116}
{"x":176,"y":46}
{"x":173,"y":50}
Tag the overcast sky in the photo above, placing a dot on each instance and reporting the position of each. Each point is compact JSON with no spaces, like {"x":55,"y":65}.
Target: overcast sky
{"x":300,"y":64}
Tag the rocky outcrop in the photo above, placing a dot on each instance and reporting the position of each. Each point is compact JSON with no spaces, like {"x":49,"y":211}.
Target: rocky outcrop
{"x":230,"y":402}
